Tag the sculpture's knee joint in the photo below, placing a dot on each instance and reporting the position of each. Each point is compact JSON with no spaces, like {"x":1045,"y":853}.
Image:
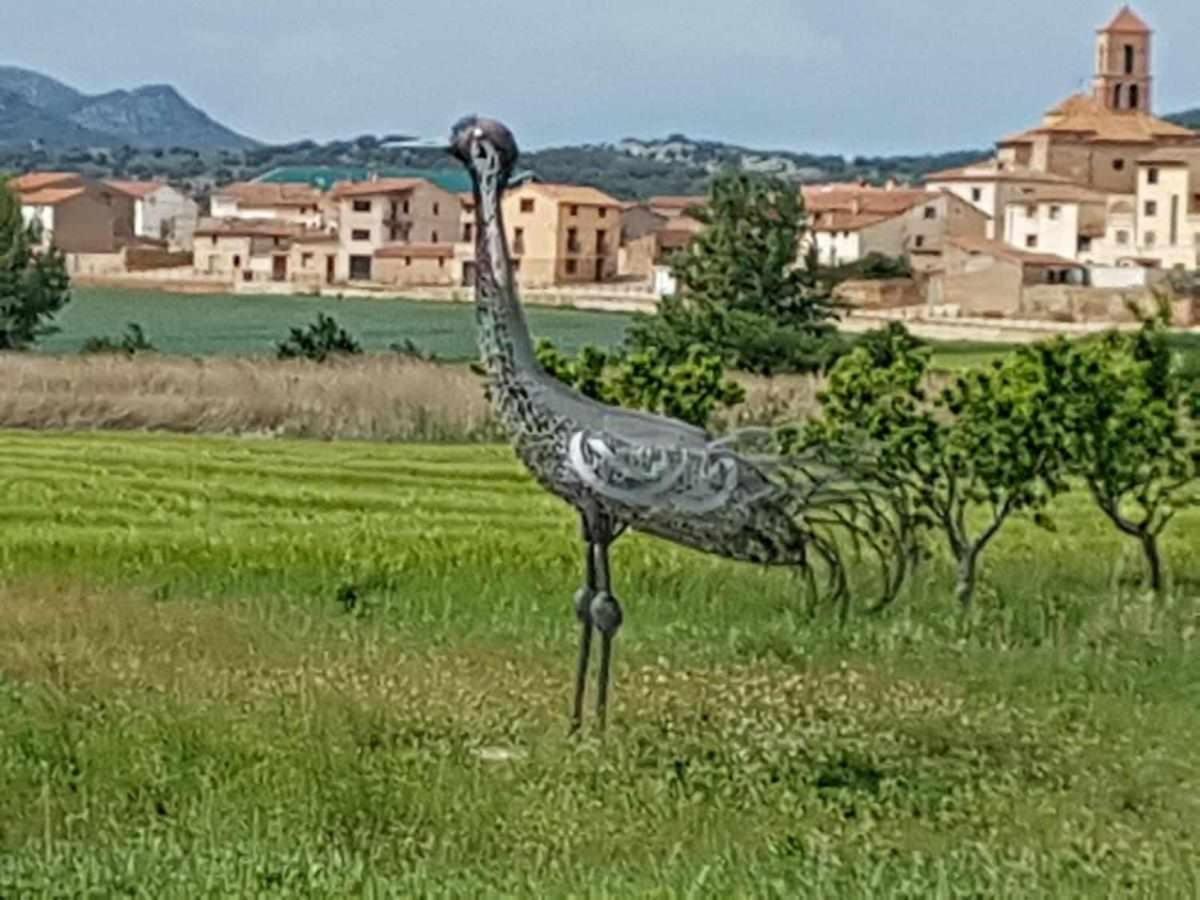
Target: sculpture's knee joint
{"x":606,"y":613}
{"x":583,"y":604}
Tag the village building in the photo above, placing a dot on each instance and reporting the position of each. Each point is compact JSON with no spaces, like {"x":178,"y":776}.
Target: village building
{"x":397,"y":231}
{"x":263,"y":250}
{"x":75,"y":214}
{"x":649,"y":239}
{"x":558,"y":234}
{"x":160,"y":212}
{"x":982,"y":277}
{"x":300,"y":204}
{"x":1061,"y":219}
{"x":850,"y":222}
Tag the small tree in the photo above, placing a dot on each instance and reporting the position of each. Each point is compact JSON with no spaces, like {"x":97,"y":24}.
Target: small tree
{"x":989,"y":448}
{"x":318,"y":341}
{"x":744,"y":293}
{"x":690,"y":391}
{"x":1128,"y":436}
{"x":131,"y":343}
{"x":34,"y":284}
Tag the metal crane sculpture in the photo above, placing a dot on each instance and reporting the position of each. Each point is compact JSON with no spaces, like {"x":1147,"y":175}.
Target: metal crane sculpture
{"x":622,"y":469}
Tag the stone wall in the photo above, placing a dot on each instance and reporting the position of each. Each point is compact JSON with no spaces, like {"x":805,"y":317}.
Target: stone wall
{"x":890,"y":293}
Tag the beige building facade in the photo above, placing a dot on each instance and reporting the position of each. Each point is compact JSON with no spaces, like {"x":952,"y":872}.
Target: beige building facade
{"x":75,"y":214}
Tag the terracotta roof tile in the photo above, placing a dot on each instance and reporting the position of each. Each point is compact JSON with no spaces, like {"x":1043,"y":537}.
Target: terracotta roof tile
{"x":1086,"y":116}
{"x":575,"y":194}
{"x":35,"y":181}
{"x":1062,"y":193}
{"x":138,"y":189}
{"x":378,"y":188}
{"x":261,"y":193}
{"x":989,"y":171}
{"x":1185,"y":155}
{"x":415,"y":251}
{"x":209,"y":227}
{"x":51,"y":196}
{"x":1001,"y":250}
{"x":1126,"y":20}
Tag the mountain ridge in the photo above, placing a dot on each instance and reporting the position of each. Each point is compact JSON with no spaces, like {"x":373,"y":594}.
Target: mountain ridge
{"x":41,"y":110}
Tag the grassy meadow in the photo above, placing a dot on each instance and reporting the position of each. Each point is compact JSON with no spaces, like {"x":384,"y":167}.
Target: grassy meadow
{"x":243,"y":325}
{"x":234,"y":667}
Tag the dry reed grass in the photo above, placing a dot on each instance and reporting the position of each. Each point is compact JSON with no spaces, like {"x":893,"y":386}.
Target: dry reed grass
{"x":373,"y":397}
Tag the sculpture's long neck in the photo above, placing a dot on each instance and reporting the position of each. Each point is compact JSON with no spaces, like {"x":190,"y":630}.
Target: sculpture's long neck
{"x":504,"y":340}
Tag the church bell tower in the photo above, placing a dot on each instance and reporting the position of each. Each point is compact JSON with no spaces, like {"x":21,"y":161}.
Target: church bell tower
{"x":1123,"y":82}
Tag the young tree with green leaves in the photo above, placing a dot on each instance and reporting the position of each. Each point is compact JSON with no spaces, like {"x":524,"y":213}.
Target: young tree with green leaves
{"x":744,"y":293}
{"x":990,"y":447}
{"x":33,"y":283}
{"x":1129,"y":436}
{"x":691,"y":390}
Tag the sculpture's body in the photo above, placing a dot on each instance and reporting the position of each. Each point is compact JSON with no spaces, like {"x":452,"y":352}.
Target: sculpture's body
{"x":620,"y":469}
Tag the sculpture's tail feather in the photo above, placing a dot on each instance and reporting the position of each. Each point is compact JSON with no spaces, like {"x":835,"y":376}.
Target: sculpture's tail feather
{"x":844,"y":508}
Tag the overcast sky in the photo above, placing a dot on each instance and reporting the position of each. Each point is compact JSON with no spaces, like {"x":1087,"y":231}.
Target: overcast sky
{"x":850,"y":76}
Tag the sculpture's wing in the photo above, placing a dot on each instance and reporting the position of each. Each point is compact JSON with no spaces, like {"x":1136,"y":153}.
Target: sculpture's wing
{"x":691,"y":480}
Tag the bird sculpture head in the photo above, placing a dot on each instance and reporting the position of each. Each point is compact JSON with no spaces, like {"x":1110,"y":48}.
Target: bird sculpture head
{"x":478,"y":143}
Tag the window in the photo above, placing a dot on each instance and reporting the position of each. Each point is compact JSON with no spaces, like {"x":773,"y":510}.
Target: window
{"x":408,"y":260}
{"x":437,"y":209}
{"x":519,"y":240}
{"x":931,"y":212}
{"x":1152,"y":176}
{"x":214,"y":240}
{"x":360,"y":234}
{"x":441,"y":262}
{"x":574,"y":211}
{"x":394,"y":233}
{"x":468,"y":231}
{"x":247,"y":275}
{"x":1085,"y":244}
{"x":433,"y":238}
{"x":306,"y":259}
{"x":1031,"y":241}
{"x":1031,"y":211}
{"x":1118,"y":165}
{"x":976,"y":195}
{"x":527,"y":205}
{"x":1129,"y":59}
{"x":1122,"y":237}
{"x":1151,"y":239}
{"x":395,"y":209}
{"x":572,"y":240}
{"x":405,"y":207}
{"x":237,"y":261}
{"x":919,"y":241}
{"x":572,"y":267}
{"x":278,"y":242}
{"x":1152,"y":207}
{"x":604,"y":212}
{"x":362,"y":205}
{"x":1055,"y":213}
{"x":516,"y":265}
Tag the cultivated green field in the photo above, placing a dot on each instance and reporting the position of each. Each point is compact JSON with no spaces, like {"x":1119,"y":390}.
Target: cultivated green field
{"x":229,"y":324}
{"x":190,"y":705}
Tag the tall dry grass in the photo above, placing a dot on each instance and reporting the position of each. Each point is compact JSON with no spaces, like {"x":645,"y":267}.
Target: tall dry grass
{"x":383,"y":398}
{"x":370,"y":397}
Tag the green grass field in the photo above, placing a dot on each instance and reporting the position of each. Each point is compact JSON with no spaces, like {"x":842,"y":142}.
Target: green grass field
{"x":240,"y":325}
{"x":189,"y":707}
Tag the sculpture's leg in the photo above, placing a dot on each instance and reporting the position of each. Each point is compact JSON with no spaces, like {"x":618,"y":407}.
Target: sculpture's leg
{"x":607,"y":618}
{"x":583,"y":612}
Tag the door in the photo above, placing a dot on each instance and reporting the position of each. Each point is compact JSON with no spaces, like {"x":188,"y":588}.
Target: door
{"x":360,"y":268}
{"x":279,"y":268}
{"x":600,"y":270}
{"x":330,"y":268}
{"x":468,"y":274}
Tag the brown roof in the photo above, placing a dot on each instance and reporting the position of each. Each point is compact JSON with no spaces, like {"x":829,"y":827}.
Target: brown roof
{"x":208,"y":227}
{"x":51,"y":196}
{"x":258,"y":193}
{"x":377,"y":188}
{"x":137,"y":189}
{"x":1001,"y":250}
{"x":1185,"y":155}
{"x":989,"y":171}
{"x":575,"y":194}
{"x":1087,"y":117}
{"x":415,"y":251}
{"x":1126,"y":20}
{"x":35,"y":181}
{"x":1061,"y":193}
{"x":852,"y":208}
{"x":674,"y":238}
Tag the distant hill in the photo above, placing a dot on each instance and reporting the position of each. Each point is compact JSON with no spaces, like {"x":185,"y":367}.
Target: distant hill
{"x":36,"y":110}
{"x":1189,"y":119}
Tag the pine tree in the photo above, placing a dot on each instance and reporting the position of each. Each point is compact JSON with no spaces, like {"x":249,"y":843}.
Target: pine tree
{"x":33,"y":284}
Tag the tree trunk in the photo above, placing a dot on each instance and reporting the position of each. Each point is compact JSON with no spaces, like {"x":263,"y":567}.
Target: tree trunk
{"x":1153,"y":562}
{"x":968,"y":577}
